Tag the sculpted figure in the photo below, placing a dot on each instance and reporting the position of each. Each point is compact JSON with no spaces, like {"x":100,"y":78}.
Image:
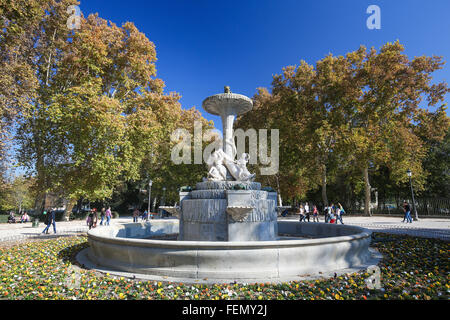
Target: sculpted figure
{"x":244,"y":174}
{"x":237,"y":169}
{"x":216,"y":170}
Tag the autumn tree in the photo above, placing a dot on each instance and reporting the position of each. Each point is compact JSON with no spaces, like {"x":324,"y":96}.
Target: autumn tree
{"x":99,"y":111}
{"x":19,"y":22}
{"x":380,"y":120}
{"x":355,"y":114}
{"x":270,"y":112}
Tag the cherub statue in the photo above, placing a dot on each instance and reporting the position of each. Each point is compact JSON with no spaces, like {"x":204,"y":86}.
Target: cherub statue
{"x":216,"y":170}
{"x":244,"y":174}
{"x":238,"y":168}
{"x":219,"y":162}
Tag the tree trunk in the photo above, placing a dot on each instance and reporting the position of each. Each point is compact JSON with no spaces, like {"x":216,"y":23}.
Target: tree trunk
{"x":39,"y":203}
{"x":49,"y":61}
{"x":367,"y":210}
{"x":324,"y":186}
{"x":69,"y":206}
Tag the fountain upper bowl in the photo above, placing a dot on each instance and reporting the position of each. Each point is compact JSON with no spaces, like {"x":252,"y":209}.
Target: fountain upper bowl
{"x":224,"y":103}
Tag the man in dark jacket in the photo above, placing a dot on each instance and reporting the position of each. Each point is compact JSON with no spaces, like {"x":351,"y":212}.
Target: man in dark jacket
{"x":407,"y":210}
{"x":50,"y":219}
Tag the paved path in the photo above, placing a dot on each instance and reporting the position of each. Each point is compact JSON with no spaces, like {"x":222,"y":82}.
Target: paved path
{"x":426,"y":227}
{"x":430,"y":228}
{"x":19,"y":231}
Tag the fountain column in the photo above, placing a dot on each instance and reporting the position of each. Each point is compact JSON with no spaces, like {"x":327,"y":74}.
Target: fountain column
{"x":227,"y":128}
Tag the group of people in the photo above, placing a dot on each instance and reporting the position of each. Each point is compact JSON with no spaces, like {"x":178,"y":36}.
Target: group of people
{"x":305,"y":212}
{"x":23,"y":218}
{"x":333,"y":213}
{"x":144,"y":215}
{"x":92,"y":218}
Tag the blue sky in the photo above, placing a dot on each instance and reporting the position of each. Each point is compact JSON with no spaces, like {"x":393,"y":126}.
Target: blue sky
{"x":203,"y":45}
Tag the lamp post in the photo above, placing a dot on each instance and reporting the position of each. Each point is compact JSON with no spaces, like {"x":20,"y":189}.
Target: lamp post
{"x":412,"y":195}
{"x":163,"y":200}
{"x":149,"y":197}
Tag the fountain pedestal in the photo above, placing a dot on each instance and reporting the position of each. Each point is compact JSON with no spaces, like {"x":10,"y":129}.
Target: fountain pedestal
{"x":217,"y":212}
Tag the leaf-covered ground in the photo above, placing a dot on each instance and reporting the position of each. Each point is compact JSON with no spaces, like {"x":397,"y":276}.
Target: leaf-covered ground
{"x":412,"y":268}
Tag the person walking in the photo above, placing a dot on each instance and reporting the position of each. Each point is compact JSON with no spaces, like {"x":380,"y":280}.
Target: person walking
{"x":135,"y":215}
{"x":327,"y":212}
{"x":315,"y":214}
{"x":92,"y":218}
{"x":50,"y":221}
{"x":301,"y":212}
{"x":339,"y":212}
{"x":307,"y":212}
{"x":102,"y":216}
{"x":407,"y":210}
{"x":108,"y":216}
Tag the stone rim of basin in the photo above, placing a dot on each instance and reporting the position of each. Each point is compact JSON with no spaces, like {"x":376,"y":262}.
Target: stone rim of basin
{"x":357,"y":234}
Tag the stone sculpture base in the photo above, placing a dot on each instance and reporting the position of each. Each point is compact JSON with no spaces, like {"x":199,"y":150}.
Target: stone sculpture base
{"x":216,"y":211}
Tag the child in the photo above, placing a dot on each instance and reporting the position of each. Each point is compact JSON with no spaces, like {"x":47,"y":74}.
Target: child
{"x":332,"y":217}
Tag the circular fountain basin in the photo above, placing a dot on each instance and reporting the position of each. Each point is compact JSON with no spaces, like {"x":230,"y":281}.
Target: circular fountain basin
{"x":320,"y":248}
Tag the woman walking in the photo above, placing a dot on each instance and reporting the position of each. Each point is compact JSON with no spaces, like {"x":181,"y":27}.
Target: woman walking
{"x":108,"y":215}
{"x":315,"y":214}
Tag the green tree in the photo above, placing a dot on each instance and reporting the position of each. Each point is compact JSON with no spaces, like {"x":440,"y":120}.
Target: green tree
{"x":353,"y":114}
{"x":18,"y":195}
{"x":434,"y":129}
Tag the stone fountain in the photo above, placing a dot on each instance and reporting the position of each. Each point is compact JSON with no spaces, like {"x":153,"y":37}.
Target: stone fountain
{"x":227,"y":229}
